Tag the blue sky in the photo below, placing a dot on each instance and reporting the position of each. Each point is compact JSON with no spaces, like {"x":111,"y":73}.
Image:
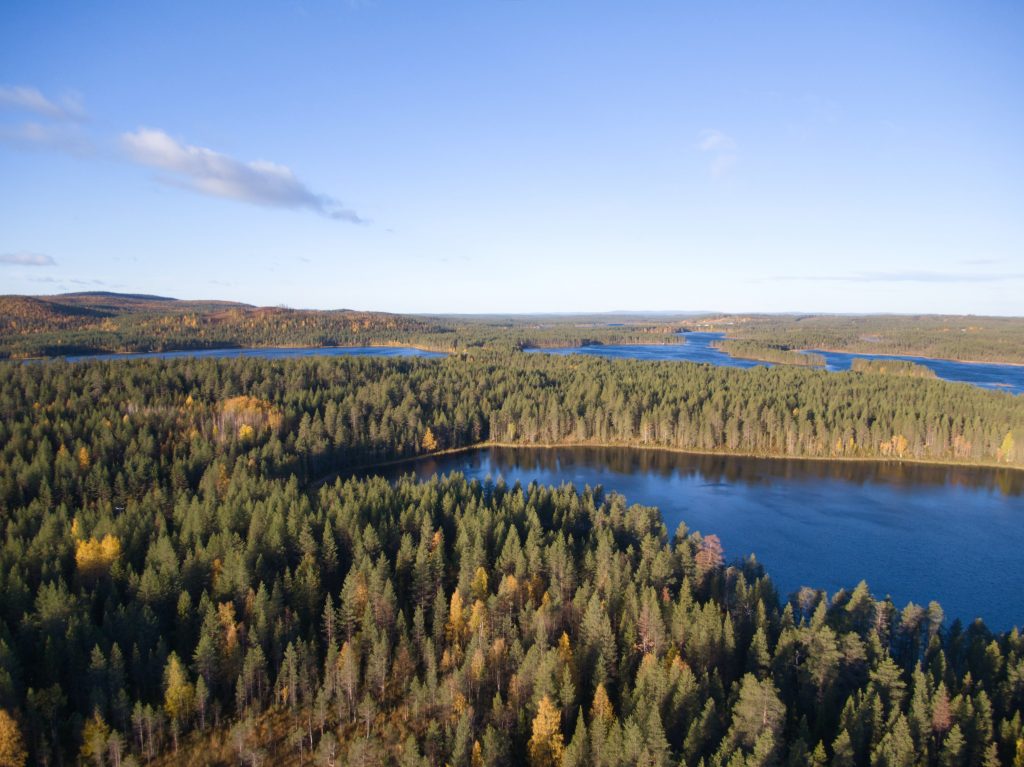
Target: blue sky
{"x":517,"y":155}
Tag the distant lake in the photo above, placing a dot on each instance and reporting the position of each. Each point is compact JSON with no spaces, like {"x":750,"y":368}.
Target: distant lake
{"x":271,"y":353}
{"x":916,"y":532}
{"x":988,"y":375}
{"x":698,"y":348}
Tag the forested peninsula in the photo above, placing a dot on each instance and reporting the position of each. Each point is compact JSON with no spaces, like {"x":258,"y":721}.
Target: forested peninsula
{"x":178,"y":589}
{"x":766,"y":352}
{"x":966,"y":338}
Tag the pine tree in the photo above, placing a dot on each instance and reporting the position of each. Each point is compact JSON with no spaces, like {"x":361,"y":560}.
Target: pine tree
{"x":757,"y":710}
{"x":952,"y":747}
{"x":842,"y":751}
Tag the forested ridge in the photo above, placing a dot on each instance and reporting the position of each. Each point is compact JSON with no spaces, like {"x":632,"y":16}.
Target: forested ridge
{"x":173,"y":591}
{"x":92,"y":323}
{"x":89,"y":323}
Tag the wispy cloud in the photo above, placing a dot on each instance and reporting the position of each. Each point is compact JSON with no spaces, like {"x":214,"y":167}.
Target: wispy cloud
{"x":715,"y":141}
{"x":905,"y":276}
{"x":723,"y":150}
{"x":208,"y":172}
{"x":25,"y":98}
{"x":64,"y":284}
{"x":51,"y":137}
{"x":24,"y":258}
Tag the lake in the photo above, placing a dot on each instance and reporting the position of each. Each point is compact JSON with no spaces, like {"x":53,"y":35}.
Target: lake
{"x":698,"y":348}
{"x":989,"y":375}
{"x":271,"y":353}
{"x":916,"y":532}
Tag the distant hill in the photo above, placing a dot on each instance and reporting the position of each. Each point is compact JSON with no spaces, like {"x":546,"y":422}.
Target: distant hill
{"x":87,"y":295}
{"x":133,"y":302}
{"x":20,"y":313}
{"x":94,"y":322}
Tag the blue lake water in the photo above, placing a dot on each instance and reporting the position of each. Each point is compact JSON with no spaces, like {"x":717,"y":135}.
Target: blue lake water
{"x":915,"y":532}
{"x":271,"y":353}
{"x":698,"y":348}
{"x":988,"y":375}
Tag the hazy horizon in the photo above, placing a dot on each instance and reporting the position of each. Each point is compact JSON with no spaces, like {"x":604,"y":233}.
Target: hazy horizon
{"x":653,"y":313}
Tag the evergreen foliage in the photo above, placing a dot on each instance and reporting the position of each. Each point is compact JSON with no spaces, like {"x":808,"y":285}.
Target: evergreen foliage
{"x":174,"y":587}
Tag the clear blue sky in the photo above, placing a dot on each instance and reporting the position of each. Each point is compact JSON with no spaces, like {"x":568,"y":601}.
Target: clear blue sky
{"x":517,"y":155}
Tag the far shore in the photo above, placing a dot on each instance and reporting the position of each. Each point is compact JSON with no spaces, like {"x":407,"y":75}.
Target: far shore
{"x":917,"y":356}
{"x":988,"y":465}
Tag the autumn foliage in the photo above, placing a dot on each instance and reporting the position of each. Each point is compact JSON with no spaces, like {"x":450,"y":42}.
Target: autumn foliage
{"x":12,"y":747}
{"x":246,"y":416}
{"x":94,"y":556}
{"x":546,"y":742}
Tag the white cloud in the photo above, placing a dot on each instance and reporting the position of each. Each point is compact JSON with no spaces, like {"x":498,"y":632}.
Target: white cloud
{"x":24,"y":258}
{"x":22,"y":97}
{"x":715,"y":141}
{"x":208,"y":172}
{"x":722,"y":149}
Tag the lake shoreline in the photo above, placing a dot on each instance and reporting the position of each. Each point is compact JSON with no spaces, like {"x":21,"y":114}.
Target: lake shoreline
{"x":915,"y":356}
{"x":658,"y":448}
{"x":826,"y":525}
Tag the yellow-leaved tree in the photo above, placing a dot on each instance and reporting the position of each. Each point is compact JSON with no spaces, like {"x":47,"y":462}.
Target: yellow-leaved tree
{"x":456,"y":626}
{"x":1006,"y":450}
{"x":546,"y":743}
{"x":95,"y":733}
{"x":429,"y":441}
{"x":179,"y":695}
{"x":601,"y":708}
{"x":12,"y":748}
{"x":95,"y":556}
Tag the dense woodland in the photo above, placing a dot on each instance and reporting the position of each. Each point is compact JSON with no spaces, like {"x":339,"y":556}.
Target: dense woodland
{"x":178,"y":587}
{"x":967,"y":338}
{"x":778,"y":355}
{"x":892,"y":368}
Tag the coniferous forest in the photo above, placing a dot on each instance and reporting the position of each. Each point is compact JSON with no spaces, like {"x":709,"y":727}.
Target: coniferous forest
{"x":554,"y":384}
{"x":184,"y":580}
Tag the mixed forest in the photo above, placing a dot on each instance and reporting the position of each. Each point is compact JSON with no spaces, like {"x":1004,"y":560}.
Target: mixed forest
{"x":92,"y":323}
{"x":183,"y":579}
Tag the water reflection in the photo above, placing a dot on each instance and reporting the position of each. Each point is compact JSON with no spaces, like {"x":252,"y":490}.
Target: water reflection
{"x":918,"y":532}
